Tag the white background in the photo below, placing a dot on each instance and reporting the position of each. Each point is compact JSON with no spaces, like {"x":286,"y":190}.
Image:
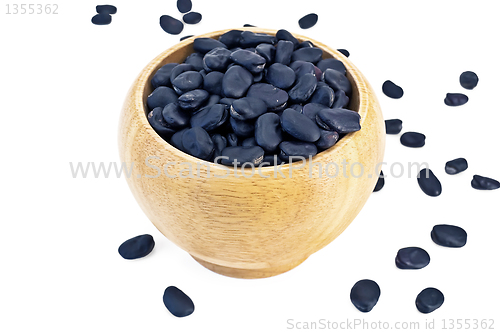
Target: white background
{"x":63,"y":81}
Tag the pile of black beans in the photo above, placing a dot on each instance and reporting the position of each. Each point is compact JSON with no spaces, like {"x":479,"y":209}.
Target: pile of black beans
{"x":252,"y":98}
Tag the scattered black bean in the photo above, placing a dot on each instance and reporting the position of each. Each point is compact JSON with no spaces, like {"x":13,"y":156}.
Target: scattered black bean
{"x":101,"y":19}
{"x":171,"y":25}
{"x":327,"y":139}
{"x":236,"y":82}
{"x":187,"y":81}
{"x":340,"y":120}
{"x":332,"y":63}
{"x":380,"y":182}
{"x":247,"y":108}
{"x":105,"y":9}
{"x":393,"y":126}
{"x":449,"y":236}
{"x":205,"y":45}
{"x":184,"y":6}
{"x":186,"y":37}
{"x":231,"y":38}
{"x":192,"y":100}
{"x":429,"y":183}
{"x":308,"y":21}
{"x":198,"y":143}
{"x":456,"y":166}
{"x":242,"y":154}
{"x":210,"y":117}
{"x":323,"y":95}
{"x":337,"y":81}
{"x":412,"y":258}
{"x":175,"y":117}
{"x":468,"y":80}
{"x":284,"y":50}
{"x":392,"y":90}
{"x":161,"y":96}
{"x":429,"y":300}
{"x":299,"y":126}
{"x":137,"y":247}
{"x":341,"y":99}
{"x":274,"y":97}
{"x":484,"y":183}
{"x":303,"y":88}
{"x":412,"y":139}
{"x":296,"y":150}
{"x":365,"y":294}
{"x":309,"y":54}
{"x":192,"y":18}
{"x":177,"y":302}
{"x":285,"y":35}
{"x":455,"y":99}
{"x":344,"y":52}
{"x":253,"y":62}
{"x":280,"y":76}
{"x":162,"y":75}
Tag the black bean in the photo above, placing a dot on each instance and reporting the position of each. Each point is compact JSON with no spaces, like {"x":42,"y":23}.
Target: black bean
{"x":296,"y":107}
{"x":393,"y":126}
{"x":306,"y":43}
{"x":101,"y":19}
{"x":192,"y":100}
{"x":412,"y":258}
{"x":429,"y":300}
{"x":318,"y":73}
{"x":296,"y":150}
{"x":161,"y":96}
{"x":268,"y":132}
{"x":227,"y":101}
{"x":302,"y":68}
{"x":242,"y":128}
{"x":192,"y":18}
{"x":137,"y":247}
{"x":249,"y":142}
{"x":380,"y":182}
{"x":392,"y":90}
{"x":232,"y":139}
{"x":231,"y":38}
{"x":484,"y":183}
{"x":258,"y":77}
{"x":213,"y":82}
{"x":253,"y":62}
{"x":220,"y":143}
{"x":455,"y":99}
{"x":284,"y":50}
{"x":162,"y":75}
{"x":184,"y":6}
{"x":309,"y":54}
{"x":340,"y":120}
{"x":341,"y":99}
{"x":242,"y":154}
{"x":251,"y":39}
{"x":274,"y":97}
{"x":285,"y":35}
{"x":212,"y":100}
{"x":303,"y":89}
{"x":179,"y":69}
{"x":187,"y":81}
{"x":236,"y":82}
{"x":270,"y":160}
{"x":203,"y":73}
{"x":176,"y":140}
{"x":171,"y":25}
{"x":308,"y":21}
{"x":337,"y":81}
{"x":468,"y":80}
{"x":327,"y":139}
{"x":105,"y":9}
{"x":198,"y":143}
{"x":217,"y":59}
{"x":412,"y":139}
{"x":177,"y":302}
{"x":186,"y":37}
{"x":323,"y":95}
{"x":344,"y":52}
{"x":332,"y":64}
{"x":267,"y":51}
{"x":456,"y":166}
{"x":365,"y":294}
{"x":205,"y":45}
{"x":195,"y":60}
{"x":175,"y":117}
{"x":449,"y":236}
{"x":311,"y":110}
{"x":210,"y":117}
{"x":247,"y":108}
{"x":246,"y":25}
{"x":155,"y":119}
{"x":299,"y":126}
{"x":429,"y":183}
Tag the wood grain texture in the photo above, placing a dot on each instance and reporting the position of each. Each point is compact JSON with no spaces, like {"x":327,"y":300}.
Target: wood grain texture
{"x":250,"y":227}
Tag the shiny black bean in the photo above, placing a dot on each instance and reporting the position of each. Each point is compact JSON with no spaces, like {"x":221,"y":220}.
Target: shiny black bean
{"x":249,"y":142}
{"x":429,"y":300}
{"x":311,"y":110}
{"x":177,"y":302}
{"x":365,"y":294}
{"x":250,"y":60}
{"x":393,"y":126}
{"x":280,"y":76}
{"x":175,"y":117}
{"x":296,"y":150}
{"x":380,"y":182}
{"x":232,"y":139}
{"x":308,"y":21}
{"x":306,"y":43}
{"x":161,"y":96}
{"x":231,"y":38}
{"x":220,"y":143}
{"x":198,"y":143}
{"x":268,"y":132}
{"x":184,"y":6}
{"x":299,"y":126}
{"x":309,"y":54}
{"x":296,"y":107}
{"x":341,"y":99}
{"x":332,"y":64}
{"x":247,"y":108}
{"x":187,"y":81}
{"x":303,"y":88}
{"x":468,"y":80}
{"x":186,"y":37}
{"x":105,"y":9}
{"x":162,"y":75}
{"x":337,"y":81}
{"x":192,"y":100}
{"x":192,"y":18}
{"x":236,"y":82}
{"x":156,"y":121}
{"x":456,"y":99}
{"x":327,"y":139}
{"x":213,"y":82}
{"x":217,"y":59}
{"x":338,"y":119}
{"x":412,"y":258}
{"x":251,"y":39}
{"x":274,"y":97}
{"x":285,"y":35}
{"x":284,"y":50}
{"x":412,"y":139}
{"x":179,"y":69}
{"x":210,"y":118}
{"x":137,"y":247}
{"x":392,"y":90}
{"x":176,"y":140}
{"x":302,"y":68}
{"x":241,"y":155}
{"x":456,"y":166}
{"x":195,"y":60}
{"x":227,"y":101}
{"x":242,"y":128}
{"x":484,"y":183}
{"x":449,"y":236}
{"x":344,"y":52}
{"x":267,"y":51}
{"x":429,"y":183}
{"x":205,"y":45}
{"x":323,"y":95}
{"x":171,"y":25}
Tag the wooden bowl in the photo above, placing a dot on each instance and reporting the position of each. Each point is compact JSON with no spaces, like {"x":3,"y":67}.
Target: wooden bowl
{"x":254,"y":226}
